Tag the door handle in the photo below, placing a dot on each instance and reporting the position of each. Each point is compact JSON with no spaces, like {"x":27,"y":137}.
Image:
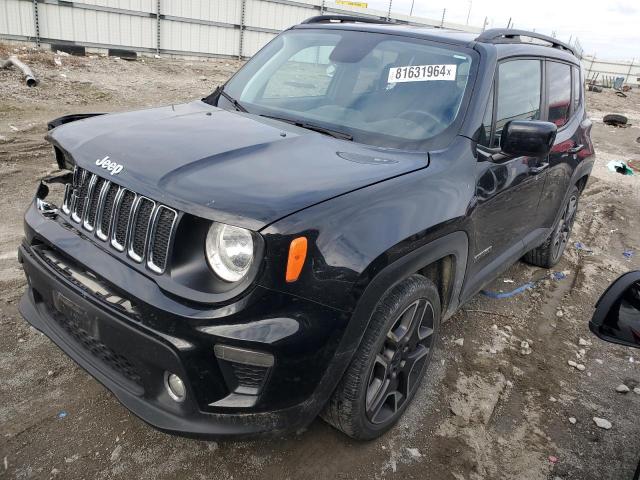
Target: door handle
{"x":575,"y":149}
{"x":539,"y":168}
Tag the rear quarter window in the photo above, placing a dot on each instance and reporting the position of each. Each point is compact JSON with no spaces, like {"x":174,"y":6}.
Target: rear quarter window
{"x":577,"y":89}
{"x":558,"y":92}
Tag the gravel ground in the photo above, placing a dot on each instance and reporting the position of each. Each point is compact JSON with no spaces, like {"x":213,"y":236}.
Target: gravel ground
{"x":491,"y":407}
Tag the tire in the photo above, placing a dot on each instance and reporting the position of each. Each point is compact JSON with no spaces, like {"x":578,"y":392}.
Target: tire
{"x":549,"y":253}
{"x":615,"y":119}
{"x":390,"y":362}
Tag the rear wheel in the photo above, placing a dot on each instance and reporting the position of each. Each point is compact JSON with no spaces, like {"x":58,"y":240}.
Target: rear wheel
{"x":388,"y":367}
{"x":550,"y":252}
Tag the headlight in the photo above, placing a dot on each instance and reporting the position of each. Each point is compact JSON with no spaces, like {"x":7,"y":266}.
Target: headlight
{"x":229,"y":251}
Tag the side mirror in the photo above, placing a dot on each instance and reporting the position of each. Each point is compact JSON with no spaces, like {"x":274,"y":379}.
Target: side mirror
{"x":617,"y":315}
{"x":531,"y":138}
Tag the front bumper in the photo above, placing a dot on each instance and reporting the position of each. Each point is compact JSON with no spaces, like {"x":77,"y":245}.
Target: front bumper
{"x":131,"y":354}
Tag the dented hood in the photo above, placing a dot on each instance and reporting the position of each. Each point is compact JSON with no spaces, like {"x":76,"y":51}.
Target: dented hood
{"x":231,"y":167}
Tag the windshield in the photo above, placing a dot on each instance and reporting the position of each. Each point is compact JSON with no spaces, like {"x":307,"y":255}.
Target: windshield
{"x":379,"y":89}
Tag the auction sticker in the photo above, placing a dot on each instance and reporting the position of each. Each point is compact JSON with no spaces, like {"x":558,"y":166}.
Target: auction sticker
{"x":422,"y":73}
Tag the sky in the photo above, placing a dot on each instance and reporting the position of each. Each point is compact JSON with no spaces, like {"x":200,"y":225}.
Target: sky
{"x":609,"y":29}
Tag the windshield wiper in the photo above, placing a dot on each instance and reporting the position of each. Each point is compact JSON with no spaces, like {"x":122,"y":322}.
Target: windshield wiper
{"x":238,"y":106}
{"x":311,"y":126}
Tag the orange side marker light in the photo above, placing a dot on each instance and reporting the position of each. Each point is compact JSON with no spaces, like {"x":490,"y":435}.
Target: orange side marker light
{"x":297,"y":256}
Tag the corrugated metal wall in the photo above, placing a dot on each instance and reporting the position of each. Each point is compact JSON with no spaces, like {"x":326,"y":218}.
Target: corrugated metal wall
{"x":16,"y":18}
{"x":191,"y":27}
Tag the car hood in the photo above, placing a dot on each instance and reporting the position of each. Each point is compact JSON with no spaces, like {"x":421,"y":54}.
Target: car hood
{"x":231,"y":167}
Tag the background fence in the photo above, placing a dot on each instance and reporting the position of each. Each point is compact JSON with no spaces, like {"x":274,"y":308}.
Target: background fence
{"x":232,"y":28}
{"x":227,"y":28}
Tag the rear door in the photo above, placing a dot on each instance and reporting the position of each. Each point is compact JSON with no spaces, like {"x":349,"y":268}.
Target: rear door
{"x":507,"y":190}
{"x":565,"y":109}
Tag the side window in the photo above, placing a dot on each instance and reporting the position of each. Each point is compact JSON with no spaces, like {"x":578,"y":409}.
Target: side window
{"x":519,"y":92}
{"x":559,"y":92}
{"x":307,"y":73}
{"x":577,"y":89}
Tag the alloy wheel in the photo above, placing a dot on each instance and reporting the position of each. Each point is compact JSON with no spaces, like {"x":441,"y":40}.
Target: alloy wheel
{"x":563,"y":230}
{"x":399,"y":364}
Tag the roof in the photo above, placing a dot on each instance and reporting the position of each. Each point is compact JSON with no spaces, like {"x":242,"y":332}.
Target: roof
{"x":506,"y":41}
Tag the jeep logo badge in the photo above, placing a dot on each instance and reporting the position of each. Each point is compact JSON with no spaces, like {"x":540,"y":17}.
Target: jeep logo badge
{"x":113,"y":167}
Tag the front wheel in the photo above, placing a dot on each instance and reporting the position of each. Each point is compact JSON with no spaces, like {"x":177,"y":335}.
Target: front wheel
{"x":390,"y":362}
{"x":550,"y":252}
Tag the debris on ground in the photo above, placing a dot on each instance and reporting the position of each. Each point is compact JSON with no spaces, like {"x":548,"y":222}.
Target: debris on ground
{"x":622,"y":388}
{"x":619,"y":166}
{"x":572,"y":420}
{"x":559,"y":275}
{"x":576,"y":365}
{"x":62,"y":414}
{"x":615,"y":119}
{"x":627,"y":254}
{"x":602,"y":423}
{"x":583,"y":247}
{"x":115,"y":455}
{"x":523,"y":287}
{"x":414,"y":452}
{"x":499,"y":295}
{"x":459,"y":342}
{"x":29,"y":77}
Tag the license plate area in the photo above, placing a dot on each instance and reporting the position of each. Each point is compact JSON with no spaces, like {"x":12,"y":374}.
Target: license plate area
{"x":84,"y":328}
{"x":75,"y":316}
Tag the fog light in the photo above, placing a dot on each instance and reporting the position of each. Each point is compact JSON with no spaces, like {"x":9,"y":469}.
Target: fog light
{"x":175,"y":386}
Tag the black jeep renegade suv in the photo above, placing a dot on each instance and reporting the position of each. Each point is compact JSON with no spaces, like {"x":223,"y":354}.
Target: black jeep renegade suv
{"x":289,"y":245}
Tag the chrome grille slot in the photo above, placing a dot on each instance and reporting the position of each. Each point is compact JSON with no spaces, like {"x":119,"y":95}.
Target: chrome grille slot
{"x":121,"y":216}
{"x":140,"y":223}
{"x":80,"y":193}
{"x":105,"y":211}
{"x":95,"y":194}
{"x":130,"y":222}
{"x":161,"y":232}
{"x":66,"y":202}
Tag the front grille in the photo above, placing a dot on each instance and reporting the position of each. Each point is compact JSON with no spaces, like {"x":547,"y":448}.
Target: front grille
{"x":132,"y":223}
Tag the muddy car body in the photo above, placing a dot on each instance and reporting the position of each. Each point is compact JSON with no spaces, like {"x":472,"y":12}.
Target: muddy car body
{"x":234,"y":267}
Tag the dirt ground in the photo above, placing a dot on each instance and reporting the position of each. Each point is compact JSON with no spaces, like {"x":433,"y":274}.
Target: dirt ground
{"x":490,"y":408}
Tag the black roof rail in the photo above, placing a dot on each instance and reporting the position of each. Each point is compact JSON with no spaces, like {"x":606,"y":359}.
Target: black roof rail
{"x":344,"y":19}
{"x":509,"y":35}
